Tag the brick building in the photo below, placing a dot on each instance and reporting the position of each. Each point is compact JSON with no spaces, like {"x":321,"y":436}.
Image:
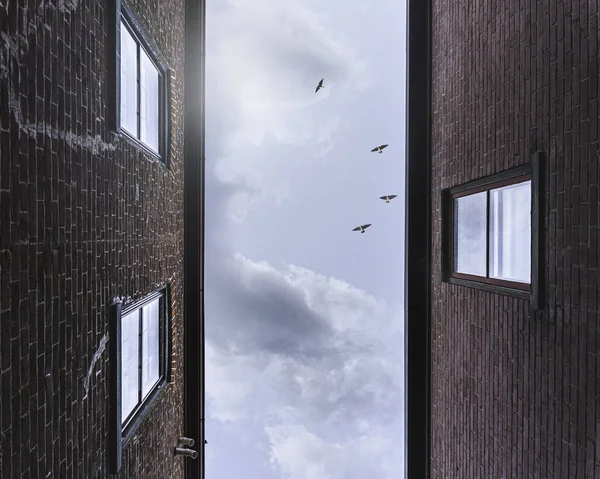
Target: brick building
{"x":505,"y":369}
{"x":94,"y":257}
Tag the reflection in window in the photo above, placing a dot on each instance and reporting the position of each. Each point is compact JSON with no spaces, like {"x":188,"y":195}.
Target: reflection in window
{"x":140,"y":94}
{"x":130,"y":327}
{"x":150,"y":346}
{"x":149,"y":102}
{"x":510,"y":232}
{"x":470,"y":214}
{"x":142,"y":356}
{"x":129,"y":97}
{"x":491,"y":233}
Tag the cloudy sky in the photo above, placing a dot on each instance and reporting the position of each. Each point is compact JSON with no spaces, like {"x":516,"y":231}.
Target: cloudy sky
{"x":304,"y":317}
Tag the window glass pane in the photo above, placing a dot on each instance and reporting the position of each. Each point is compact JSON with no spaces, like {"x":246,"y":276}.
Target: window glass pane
{"x":150,"y":345}
{"x":510,"y":232}
{"x":129,"y":97}
{"x":149,"y":101}
{"x":470,"y":234}
{"x":130,"y":331}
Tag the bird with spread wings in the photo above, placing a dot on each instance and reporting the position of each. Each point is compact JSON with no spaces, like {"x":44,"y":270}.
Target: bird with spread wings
{"x":361,"y":228}
{"x":387,"y":198}
{"x":379,"y":149}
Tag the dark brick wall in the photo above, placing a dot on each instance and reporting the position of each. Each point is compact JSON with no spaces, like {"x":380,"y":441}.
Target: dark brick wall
{"x":515,"y":391}
{"x":75,"y":234}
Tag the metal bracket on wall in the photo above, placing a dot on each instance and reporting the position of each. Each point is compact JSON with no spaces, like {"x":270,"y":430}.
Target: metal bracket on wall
{"x":182,"y":450}
{"x":186,"y":441}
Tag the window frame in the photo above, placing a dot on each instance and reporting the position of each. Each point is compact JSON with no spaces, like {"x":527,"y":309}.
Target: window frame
{"x":471,"y":191}
{"x":122,"y":13}
{"x":531,"y":290}
{"x":122,"y":431}
{"x":138,"y":306}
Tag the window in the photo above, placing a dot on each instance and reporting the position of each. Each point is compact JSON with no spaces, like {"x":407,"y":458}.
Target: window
{"x":493,"y":234}
{"x":139,"y":353}
{"x":142,"y":110}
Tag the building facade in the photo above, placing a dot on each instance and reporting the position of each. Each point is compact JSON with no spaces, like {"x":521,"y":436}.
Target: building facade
{"x":92,"y":238}
{"x":514,"y":281}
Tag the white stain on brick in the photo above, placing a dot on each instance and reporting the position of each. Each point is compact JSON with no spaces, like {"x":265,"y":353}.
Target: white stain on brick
{"x":97,"y":354}
{"x":94,"y":144}
{"x":67,"y":5}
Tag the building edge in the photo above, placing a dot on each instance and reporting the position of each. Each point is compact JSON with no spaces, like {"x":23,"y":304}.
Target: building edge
{"x":194,"y":161}
{"x":417,"y":285}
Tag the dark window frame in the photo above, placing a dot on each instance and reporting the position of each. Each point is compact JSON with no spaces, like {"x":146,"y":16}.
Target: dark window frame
{"x":120,"y":12}
{"x":162,"y":366}
{"x":531,"y":290}
{"x":451,"y":253}
{"x":122,"y":431}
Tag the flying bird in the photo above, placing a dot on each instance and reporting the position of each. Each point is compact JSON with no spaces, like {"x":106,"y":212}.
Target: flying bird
{"x":361,"y":228}
{"x":379,"y":149}
{"x":319,"y":86}
{"x":387,"y":198}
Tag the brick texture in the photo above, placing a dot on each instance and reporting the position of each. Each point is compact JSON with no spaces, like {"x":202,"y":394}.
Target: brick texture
{"x":515,"y":391}
{"x":86,"y":217}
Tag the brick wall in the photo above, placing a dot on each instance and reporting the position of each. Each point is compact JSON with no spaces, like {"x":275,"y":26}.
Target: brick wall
{"x":515,"y":391}
{"x":75,"y":234}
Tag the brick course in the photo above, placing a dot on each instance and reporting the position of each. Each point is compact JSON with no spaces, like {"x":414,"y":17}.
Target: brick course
{"x":514,"y":391}
{"x":86,"y":217}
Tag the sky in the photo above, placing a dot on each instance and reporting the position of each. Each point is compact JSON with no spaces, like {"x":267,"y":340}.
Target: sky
{"x":304,"y":317}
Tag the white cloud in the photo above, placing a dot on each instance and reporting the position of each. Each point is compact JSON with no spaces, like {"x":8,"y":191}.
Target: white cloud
{"x":229,"y":391}
{"x":389,"y":5}
{"x":312,"y":361}
{"x":265,"y":71}
{"x":299,"y":454}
